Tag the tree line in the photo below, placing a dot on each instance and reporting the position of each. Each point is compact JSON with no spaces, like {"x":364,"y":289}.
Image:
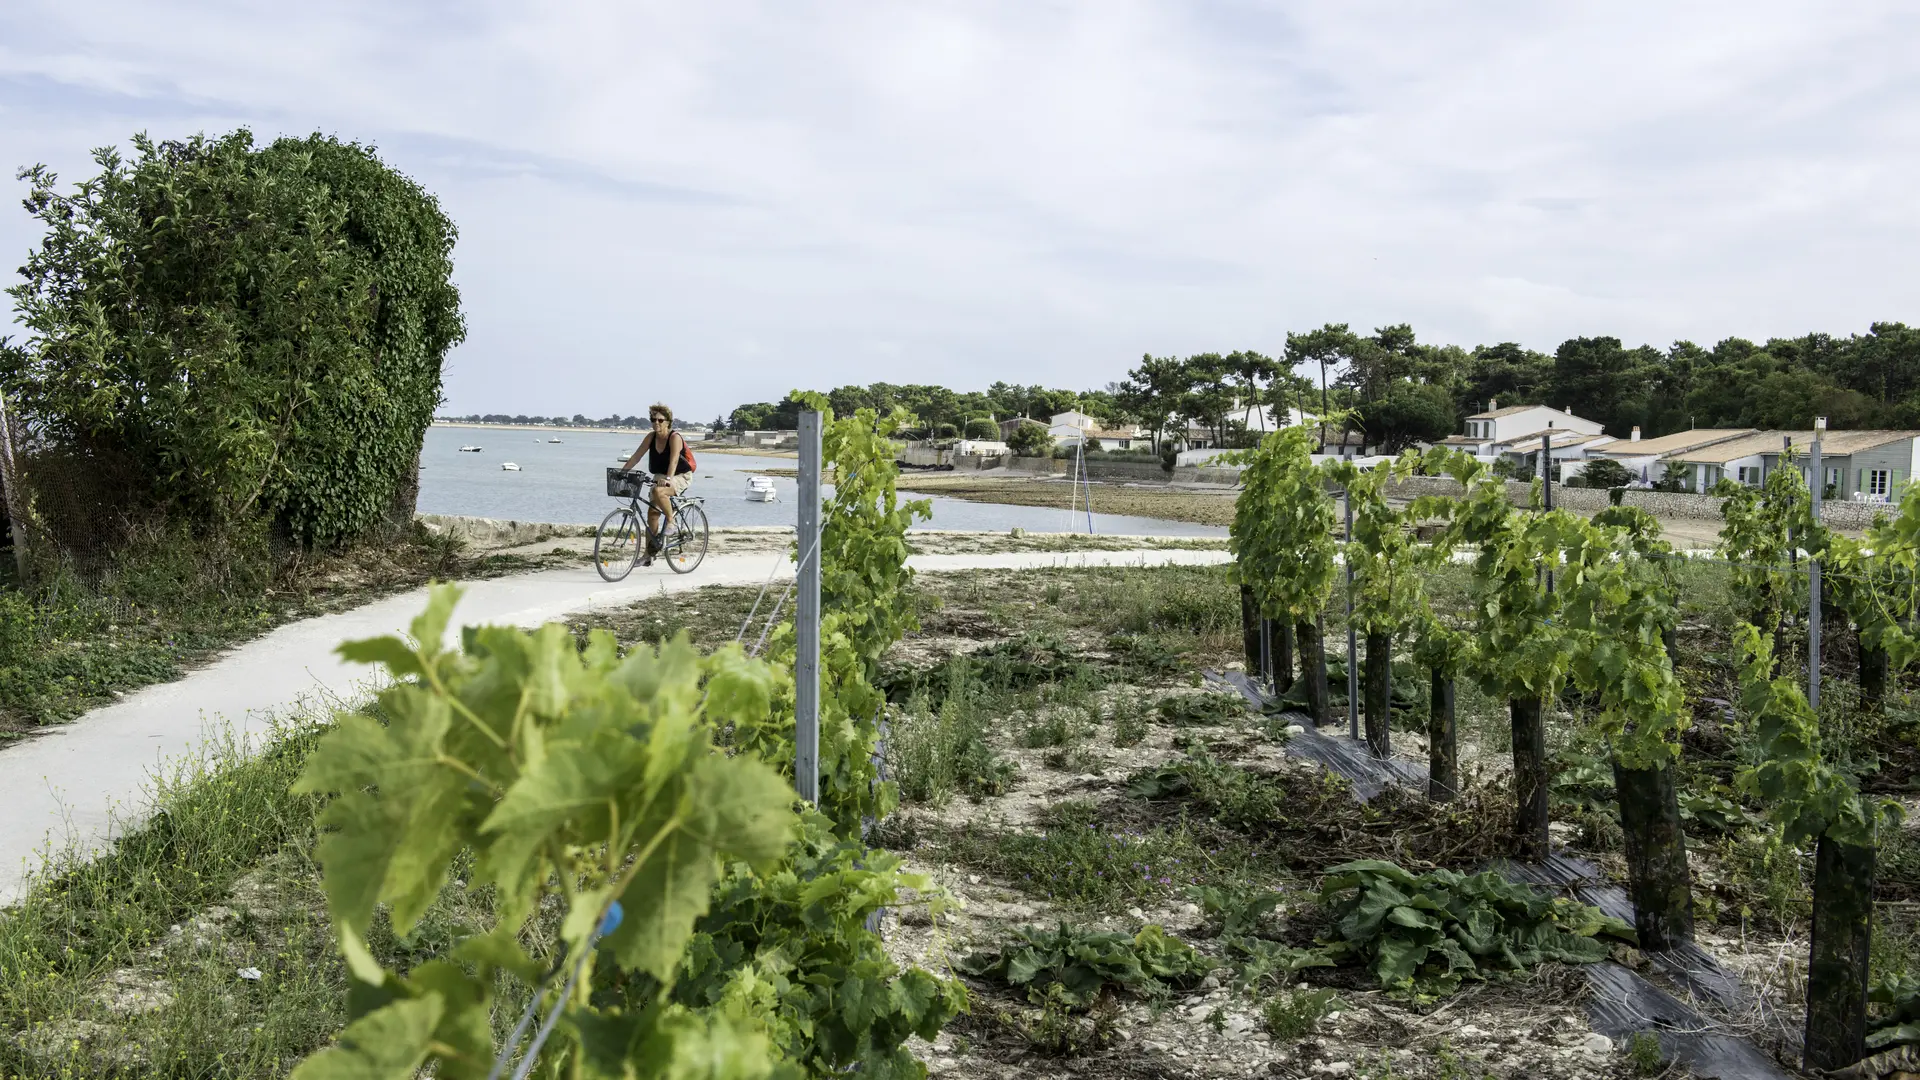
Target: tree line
{"x":1400,"y":390}
{"x":576,"y":420}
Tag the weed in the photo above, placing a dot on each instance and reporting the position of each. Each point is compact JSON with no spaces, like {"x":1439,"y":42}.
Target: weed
{"x":1080,"y":857}
{"x":1145,"y":657}
{"x":1643,"y":1054}
{"x":1052,"y":728}
{"x":1453,"y":1068}
{"x":933,"y":753}
{"x":1234,"y":911}
{"x":1054,"y":1030}
{"x":1423,"y":934}
{"x":1075,"y":966}
{"x":1129,"y":723}
{"x":1292,"y":1015}
{"x":1762,"y":880}
{"x":1235,"y":797}
{"x":1202,"y":710}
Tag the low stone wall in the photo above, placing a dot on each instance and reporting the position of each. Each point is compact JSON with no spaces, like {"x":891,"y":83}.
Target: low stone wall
{"x":1672,"y":504}
{"x":1039,"y":465}
{"x":1135,"y":472}
{"x":1209,"y":474}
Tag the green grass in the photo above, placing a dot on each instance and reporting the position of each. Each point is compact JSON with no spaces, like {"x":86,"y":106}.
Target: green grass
{"x":936,"y":751}
{"x":127,"y":965}
{"x":710,"y":616}
{"x":1081,"y":858}
{"x":167,"y":601}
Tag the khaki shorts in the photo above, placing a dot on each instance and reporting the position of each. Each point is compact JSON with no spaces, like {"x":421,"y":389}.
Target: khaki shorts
{"x":678,"y":481}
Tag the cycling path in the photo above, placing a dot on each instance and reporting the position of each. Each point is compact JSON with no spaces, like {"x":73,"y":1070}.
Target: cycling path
{"x":76,"y":784}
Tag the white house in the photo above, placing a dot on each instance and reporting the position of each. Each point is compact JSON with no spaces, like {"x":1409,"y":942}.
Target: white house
{"x":1645,"y":458}
{"x":1068,"y":428}
{"x":1489,"y":430}
{"x":1566,"y":446}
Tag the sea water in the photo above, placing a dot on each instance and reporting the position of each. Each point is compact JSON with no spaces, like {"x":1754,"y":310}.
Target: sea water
{"x":566,"y":483}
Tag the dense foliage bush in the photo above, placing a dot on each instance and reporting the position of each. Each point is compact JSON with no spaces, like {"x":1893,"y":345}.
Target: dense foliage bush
{"x":252,"y":333}
{"x":1030,"y":440}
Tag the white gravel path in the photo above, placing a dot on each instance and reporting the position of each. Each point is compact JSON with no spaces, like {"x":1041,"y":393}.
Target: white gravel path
{"x":74,"y":786}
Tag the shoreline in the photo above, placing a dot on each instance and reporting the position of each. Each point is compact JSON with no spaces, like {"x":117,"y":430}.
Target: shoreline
{"x":536,"y":427}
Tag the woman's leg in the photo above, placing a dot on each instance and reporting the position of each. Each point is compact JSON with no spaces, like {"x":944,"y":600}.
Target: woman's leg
{"x":657,"y":504}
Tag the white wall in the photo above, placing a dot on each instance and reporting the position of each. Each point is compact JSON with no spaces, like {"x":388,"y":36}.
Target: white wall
{"x":1538,"y":419}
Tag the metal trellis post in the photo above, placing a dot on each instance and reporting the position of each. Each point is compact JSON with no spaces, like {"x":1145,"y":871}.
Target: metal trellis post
{"x":1813,"y":573}
{"x":1546,"y":486}
{"x":1353,"y":651}
{"x":806,"y":664}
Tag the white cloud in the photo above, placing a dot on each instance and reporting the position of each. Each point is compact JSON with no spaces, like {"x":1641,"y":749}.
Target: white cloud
{"x":730,"y":199}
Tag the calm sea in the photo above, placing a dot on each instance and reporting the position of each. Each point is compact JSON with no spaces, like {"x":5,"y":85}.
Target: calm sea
{"x":565,"y":483}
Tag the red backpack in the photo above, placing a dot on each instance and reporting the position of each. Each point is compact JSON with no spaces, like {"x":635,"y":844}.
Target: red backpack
{"x":687,"y":451}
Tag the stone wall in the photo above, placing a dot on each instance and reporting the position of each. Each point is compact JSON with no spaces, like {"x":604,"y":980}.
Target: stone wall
{"x":1681,"y":504}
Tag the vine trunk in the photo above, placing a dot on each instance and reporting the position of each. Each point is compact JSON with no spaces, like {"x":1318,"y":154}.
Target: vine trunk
{"x":1379,"y":690}
{"x":1657,"y":874}
{"x":1838,"y":958}
{"x":1530,"y":786}
{"x":1443,"y":750}
{"x":1313,"y":668}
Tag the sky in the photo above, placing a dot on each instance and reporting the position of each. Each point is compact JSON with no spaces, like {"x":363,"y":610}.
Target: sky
{"x":717,"y":202}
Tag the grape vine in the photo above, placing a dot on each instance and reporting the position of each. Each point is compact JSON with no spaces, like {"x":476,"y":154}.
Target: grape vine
{"x":740,"y":943}
{"x":580,"y":781}
{"x":1282,"y":542}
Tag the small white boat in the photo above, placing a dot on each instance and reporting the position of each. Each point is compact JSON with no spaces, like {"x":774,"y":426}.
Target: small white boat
{"x":508,"y":466}
{"x":553,"y":440}
{"x":760,"y":489}
{"x":471,"y":449}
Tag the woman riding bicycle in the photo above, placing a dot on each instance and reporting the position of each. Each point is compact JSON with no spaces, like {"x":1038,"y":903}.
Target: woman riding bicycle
{"x":667,"y":460}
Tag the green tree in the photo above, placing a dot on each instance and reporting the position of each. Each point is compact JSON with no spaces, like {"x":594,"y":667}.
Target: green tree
{"x":1506,"y":373}
{"x":982,"y":428}
{"x":1602,"y":380}
{"x":1326,"y":347}
{"x":1253,"y":374}
{"x":1605,"y":473}
{"x":1409,"y":413}
{"x":258,"y":331}
{"x":1153,"y":391}
{"x":1030,"y":440}
{"x":1047,"y":404}
{"x":1208,"y":395}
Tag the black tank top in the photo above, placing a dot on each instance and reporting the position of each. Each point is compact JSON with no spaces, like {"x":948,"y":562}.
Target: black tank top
{"x":659,"y":453}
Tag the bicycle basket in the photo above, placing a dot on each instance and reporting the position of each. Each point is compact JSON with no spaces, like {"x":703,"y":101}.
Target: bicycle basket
{"x":626,"y":485}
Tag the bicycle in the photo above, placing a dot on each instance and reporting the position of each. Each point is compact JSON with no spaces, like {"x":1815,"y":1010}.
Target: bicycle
{"x":616,"y":544}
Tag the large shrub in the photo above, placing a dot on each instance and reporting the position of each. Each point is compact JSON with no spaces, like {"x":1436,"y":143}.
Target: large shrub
{"x":254,"y":333}
{"x":1030,"y":440}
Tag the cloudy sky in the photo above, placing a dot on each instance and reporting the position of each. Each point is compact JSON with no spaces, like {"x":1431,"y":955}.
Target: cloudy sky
{"x":717,"y":202}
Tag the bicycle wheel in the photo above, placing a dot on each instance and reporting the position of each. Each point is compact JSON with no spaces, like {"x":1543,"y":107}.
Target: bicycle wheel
{"x":616,"y":544}
{"x":688,"y":544}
